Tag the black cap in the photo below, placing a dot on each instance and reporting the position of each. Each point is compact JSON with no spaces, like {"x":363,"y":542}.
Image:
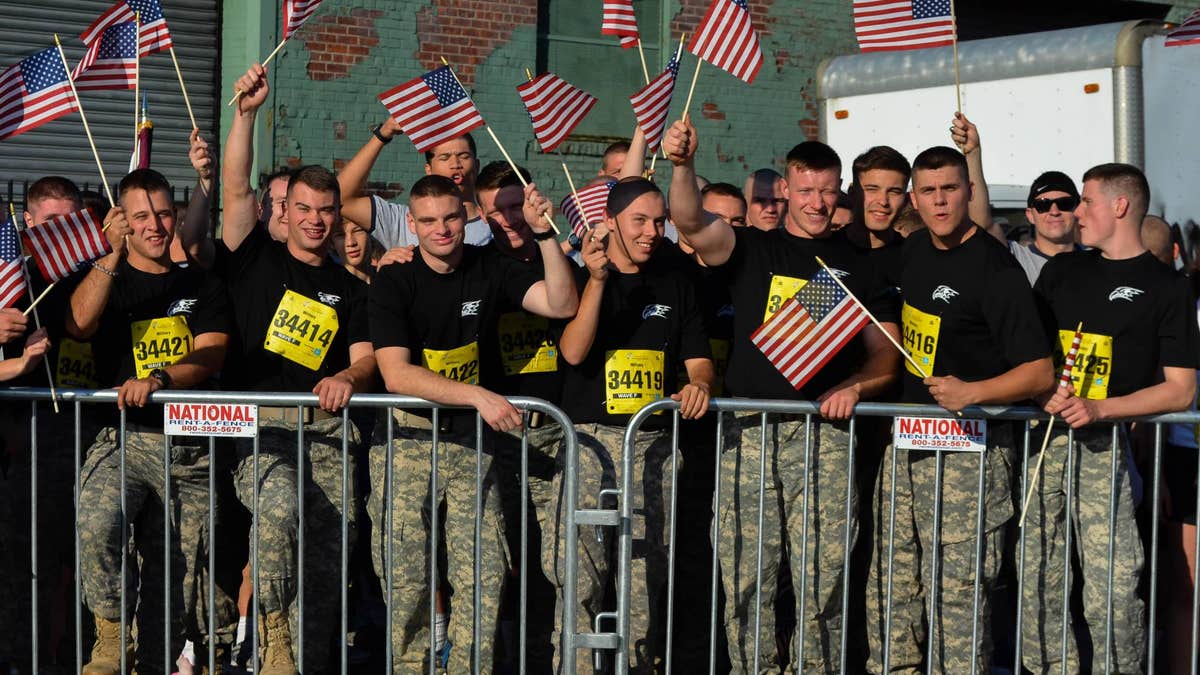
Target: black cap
{"x":1051,"y":181}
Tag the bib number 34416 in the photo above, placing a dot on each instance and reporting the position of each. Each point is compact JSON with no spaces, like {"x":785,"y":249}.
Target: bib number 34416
{"x":302,"y":330}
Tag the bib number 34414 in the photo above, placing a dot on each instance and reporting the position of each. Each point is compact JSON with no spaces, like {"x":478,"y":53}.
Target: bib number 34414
{"x":302,"y":330}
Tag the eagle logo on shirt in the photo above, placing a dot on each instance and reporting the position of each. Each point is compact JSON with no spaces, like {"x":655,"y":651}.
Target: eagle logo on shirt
{"x":661,"y":311}
{"x":471,"y":307}
{"x":944,"y":293}
{"x":841,"y":274}
{"x":328,"y":298}
{"x":726,"y":312}
{"x":182,"y":306}
{"x":1126,"y":293}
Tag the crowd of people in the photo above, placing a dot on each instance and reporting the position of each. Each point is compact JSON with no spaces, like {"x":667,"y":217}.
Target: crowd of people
{"x":464,"y":296}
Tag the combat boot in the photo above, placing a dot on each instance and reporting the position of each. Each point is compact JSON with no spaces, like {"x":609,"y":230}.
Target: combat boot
{"x":277,"y":653}
{"x":106,"y":652}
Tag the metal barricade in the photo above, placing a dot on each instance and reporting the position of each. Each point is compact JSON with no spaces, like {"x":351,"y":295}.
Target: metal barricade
{"x":1029,"y":426}
{"x":75,"y":401}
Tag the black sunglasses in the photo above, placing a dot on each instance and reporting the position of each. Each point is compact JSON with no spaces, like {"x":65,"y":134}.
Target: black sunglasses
{"x":1063,"y":204}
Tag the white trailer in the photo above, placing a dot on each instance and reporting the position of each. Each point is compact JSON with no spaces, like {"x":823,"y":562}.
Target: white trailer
{"x":1064,"y":100}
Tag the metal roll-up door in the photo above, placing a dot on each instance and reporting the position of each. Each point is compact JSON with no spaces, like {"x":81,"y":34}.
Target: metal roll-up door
{"x":61,"y":147}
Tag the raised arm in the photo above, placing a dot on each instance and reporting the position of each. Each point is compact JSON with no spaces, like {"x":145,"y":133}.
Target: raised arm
{"x":91,"y":295}
{"x":635,"y":159}
{"x":352,"y":179}
{"x":239,"y":202}
{"x":711,"y":237}
{"x":580,"y":333}
{"x":966,"y":137}
{"x":554,"y":297}
{"x":194,"y":235}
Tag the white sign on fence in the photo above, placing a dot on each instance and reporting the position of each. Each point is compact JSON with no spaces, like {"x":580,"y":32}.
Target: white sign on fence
{"x":210,"y":419}
{"x":939,"y":433}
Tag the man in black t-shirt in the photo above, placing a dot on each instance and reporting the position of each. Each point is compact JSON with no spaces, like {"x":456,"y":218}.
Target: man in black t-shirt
{"x":764,"y":270}
{"x":152,"y":325}
{"x":434,"y":327}
{"x":1137,"y":356}
{"x":302,"y":327}
{"x":973,"y":336}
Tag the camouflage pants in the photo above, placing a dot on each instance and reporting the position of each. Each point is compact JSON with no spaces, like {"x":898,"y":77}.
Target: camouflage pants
{"x":1046,"y":556}
{"x":905,"y":553}
{"x":412,"y":513}
{"x":278,"y":517}
{"x":601,"y":455}
{"x":819,"y":580}
{"x":102,"y":540}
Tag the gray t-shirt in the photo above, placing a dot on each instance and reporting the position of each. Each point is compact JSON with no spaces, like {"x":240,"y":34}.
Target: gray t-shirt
{"x":1029,"y":258}
{"x":389,"y":226}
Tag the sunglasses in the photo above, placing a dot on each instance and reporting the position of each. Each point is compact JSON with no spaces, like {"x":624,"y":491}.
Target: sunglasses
{"x":1063,"y":204}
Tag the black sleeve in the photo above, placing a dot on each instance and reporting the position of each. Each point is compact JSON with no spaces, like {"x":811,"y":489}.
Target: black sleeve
{"x":693,"y":337}
{"x":236,"y":263}
{"x":389,"y":305}
{"x":1012,"y":317}
{"x":212,"y":314}
{"x":518,"y":278}
{"x":1043,"y":292}
{"x":359,"y":329}
{"x":1178,"y":331}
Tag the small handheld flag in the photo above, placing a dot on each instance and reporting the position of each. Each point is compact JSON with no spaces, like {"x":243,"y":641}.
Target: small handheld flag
{"x":651,"y":103}
{"x":12,"y":277}
{"x":111,"y":61}
{"x":593,"y":200}
{"x":432,"y":108}
{"x":295,"y":13}
{"x":154,"y":37}
{"x":63,"y":243}
{"x":555,"y":108}
{"x":886,"y":25}
{"x":1186,"y":33}
{"x":726,"y":39}
{"x":34,"y":92}
{"x":620,"y":20}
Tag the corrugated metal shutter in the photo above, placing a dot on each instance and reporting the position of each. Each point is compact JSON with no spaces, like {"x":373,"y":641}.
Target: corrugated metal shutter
{"x":61,"y":146}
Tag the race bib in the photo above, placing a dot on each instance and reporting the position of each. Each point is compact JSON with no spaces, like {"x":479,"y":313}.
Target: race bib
{"x":526,"y":345}
{"x":1093,"y":365}
{"x":632,"y":378}
{"x":158,"y":343}
{"x":302,"y":330}
{"x":782,"y":288}
{"x":76,"y":369}
{"x":460,"y":365}
{"x":920,"y":338}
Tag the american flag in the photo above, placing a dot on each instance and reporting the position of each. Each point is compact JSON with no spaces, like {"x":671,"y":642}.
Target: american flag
{"x":1186,"y":33}
{"x":555,"y":107}
{"x":726,"y":39}
{"x":810,"y":328}
{"x":432,"y":108}
{"x":61,"y":244}
{"x":885,"y":25}
{"x":651,"y":103}
{"x":155,"y":36}
{"x":1069,"y":363}
{"x":295,"y":13}
{"x":34,"y":92}
{"x":111,"y":61}
{"x":620,"y":20}
{"x":593,"y":199}
{"x":12,"y":276}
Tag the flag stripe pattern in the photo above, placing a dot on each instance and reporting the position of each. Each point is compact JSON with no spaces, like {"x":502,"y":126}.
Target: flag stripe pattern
{"x":1186,"y":33}
{"x":34,"y":92}
{"x":12,"y":277}
{"x":810,"y":328}
{"x":593,"y":199}
{"x":726,"y":39}
{"x":620,"y":20}
{"x":154,"y":37}
{"x":295,"y":13}
{"x":886,"y":25}
{"x":111,"y":61}
{"x":432,"y":108}
{"x":555,"y":107}
{"x":651,"y":103}
{"x":61,"y":244}
{"x":1064,"y":380}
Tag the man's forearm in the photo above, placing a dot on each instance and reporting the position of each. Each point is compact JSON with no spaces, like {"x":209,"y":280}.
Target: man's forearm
{"x":561,"y":295}
{"x":90,"y":298}
{"x":407,"y":379}
{"x":194,"y":235}
{"x":979,"y":208}
{"x":238,"y":195}
{"x":1021,"y":382}
{"x":362,"y":374}
{"x":580,"y":332}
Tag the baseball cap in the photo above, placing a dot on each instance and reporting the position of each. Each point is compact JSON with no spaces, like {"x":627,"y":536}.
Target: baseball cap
{"x":1051,"y":181}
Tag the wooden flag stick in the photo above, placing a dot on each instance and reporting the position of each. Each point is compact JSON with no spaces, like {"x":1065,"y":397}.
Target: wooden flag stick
{"x":182,"y":87}
{"x":695,"y":76}
{"x":86,"y":128}
{"x":37,"y":320}
{"x":264,"y":63}
{"x":957,"y":85}
{"x":574,"y":193}
{"x":642,"y":56}
{"x":137,"y":77}
{"x":503,"y":151}
{"x":1037,"y":470}
{"x":34,"y":304}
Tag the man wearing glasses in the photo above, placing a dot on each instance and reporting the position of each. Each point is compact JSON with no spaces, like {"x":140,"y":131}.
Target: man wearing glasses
{"x":1051,"y":209}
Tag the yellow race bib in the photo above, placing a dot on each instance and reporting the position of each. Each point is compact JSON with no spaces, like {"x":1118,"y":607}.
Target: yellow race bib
{"x":460,"y":365}
{"x":920,"y":338}
{"x":1093,"y":365}
{"x":76,"y":368}
{"x":632,"y":378}
{"x":302,"y":330}
{"x":158,"y":343}
{"x":526,"y":345}
{"x":782,"y":288}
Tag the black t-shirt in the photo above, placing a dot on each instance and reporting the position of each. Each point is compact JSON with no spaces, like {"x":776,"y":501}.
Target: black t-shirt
{"x":151,"y":321}
{"x":1137,"y":319}
{"x":71,"y":361}
{"x":529,"y":349}
{"x":650,"y":323}
{"x":716,"y":310}
{"x":767,"y":268}
{"x":968,"y":312}
{"x":448,"y":322}
{"x":295,"y":321}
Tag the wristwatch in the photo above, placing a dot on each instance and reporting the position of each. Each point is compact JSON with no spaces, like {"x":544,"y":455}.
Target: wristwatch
{"x":575,"y":242}
{"x":543,"y":236}
{"x":163,"y":377}
{"x":382,"y":139}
